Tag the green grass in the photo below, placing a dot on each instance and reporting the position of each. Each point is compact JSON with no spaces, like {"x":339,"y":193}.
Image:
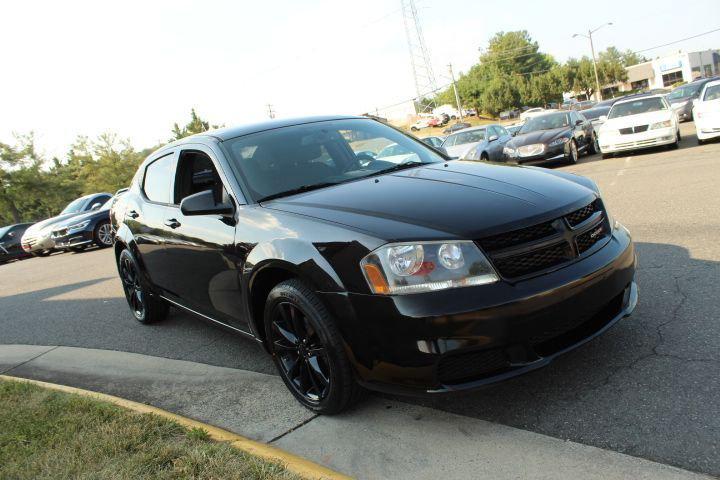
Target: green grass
{"x":46,"y":434}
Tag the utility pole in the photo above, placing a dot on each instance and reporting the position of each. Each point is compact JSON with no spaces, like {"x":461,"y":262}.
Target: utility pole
{"x":271,"y":112}
{"x":598,"y":92}
{"x":419,"y":56}
{"x":457,"y":97}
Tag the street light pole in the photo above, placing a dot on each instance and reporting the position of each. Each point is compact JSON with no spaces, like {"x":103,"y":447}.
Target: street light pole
{"x":598,"y":93}
{"x":457,"y":97}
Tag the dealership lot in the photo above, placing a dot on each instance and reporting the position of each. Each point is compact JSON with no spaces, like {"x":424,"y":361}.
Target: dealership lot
{"x":649,"y":387}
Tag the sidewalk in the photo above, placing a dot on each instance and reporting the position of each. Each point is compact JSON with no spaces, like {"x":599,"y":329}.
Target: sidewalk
{"x":379,"y":439}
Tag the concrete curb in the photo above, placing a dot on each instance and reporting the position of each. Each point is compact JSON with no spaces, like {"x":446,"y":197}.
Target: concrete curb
{"x":293,"y":463}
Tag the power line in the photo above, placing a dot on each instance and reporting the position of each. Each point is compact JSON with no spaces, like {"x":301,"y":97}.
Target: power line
{"x":678,"y":41}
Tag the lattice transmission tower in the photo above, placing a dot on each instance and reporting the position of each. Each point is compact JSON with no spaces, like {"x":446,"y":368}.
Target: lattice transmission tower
{"x":425,"y":84}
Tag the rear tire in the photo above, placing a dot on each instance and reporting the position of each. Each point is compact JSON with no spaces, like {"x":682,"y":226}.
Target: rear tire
{"x":593,"y":146}
{"x":308,"y":350}
{"x":146,"y":307}
{"x":700,"y":141}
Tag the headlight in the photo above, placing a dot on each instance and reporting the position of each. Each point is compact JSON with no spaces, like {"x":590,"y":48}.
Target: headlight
{"x":558,"y":141}
{"x":403,"y":268}
{"x":79,"y":225}
{"x":665,"y":124}
{"x":509,"y":151}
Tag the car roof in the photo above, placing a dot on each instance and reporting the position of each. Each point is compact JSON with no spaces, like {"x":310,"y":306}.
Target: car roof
{"x":713,"y":82}
{"x":227,"y":133}
{"x":630,"y":98}
{"x":471,"y":129}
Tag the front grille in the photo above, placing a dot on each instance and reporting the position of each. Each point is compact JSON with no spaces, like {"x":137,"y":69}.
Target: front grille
{"x":579,"y":216}
{"x":546,"y":245}
{"x":535,"y":260}
{"x":456,"y":368}
{"x":591,"y":237}
{"x":517,"y":237}
{"x":631,"y":130}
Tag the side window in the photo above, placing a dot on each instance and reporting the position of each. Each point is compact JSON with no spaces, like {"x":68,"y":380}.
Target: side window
{"x":101,"y":199}
{"x":196,"y":173}
{"x":158,"y":179}
{"x":450,"y":141}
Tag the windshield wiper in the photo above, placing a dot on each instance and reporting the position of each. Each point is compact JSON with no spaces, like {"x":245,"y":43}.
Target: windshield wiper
{"x":399,"y":166}
{"x":300,"y":189}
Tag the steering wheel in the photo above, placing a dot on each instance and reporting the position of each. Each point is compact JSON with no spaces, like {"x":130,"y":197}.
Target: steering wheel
{"x":364,"y":159}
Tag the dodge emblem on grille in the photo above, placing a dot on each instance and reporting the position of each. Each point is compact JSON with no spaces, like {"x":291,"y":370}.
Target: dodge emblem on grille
{"x":598,"y":231}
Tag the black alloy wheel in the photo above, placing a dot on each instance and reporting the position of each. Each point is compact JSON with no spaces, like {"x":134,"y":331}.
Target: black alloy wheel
{"x":301,"y":354}
{"x":145,"y":308}
{"x":307,"y":349}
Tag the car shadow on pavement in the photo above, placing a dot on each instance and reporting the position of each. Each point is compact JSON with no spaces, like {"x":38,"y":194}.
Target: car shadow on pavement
{"x":648,"y":387}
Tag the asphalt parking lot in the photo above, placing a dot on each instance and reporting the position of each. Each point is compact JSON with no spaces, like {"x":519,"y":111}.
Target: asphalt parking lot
{"x":649,"y":387}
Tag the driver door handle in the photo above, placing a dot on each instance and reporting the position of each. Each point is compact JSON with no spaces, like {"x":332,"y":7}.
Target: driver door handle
{"x":172,"y":223}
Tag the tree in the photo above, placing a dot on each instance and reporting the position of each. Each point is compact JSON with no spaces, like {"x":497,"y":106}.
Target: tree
{"x":611,"y":68}
{"x":196,"y":125}
{"x":630,"y":58}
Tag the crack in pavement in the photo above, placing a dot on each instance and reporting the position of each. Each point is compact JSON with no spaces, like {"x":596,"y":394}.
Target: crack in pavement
{"x":8,"y":370}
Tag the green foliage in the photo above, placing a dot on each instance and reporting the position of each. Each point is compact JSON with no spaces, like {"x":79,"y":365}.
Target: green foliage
{"x":513,"y":72}
{"x":196,"y":125}
{"x":33,"y":188}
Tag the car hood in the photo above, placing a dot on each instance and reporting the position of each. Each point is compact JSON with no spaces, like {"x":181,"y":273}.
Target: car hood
{"x":34,"y":229}
{"x":680,"y":99}
{"x":540,"y":136}
{"x":639,"y":119}
{"x":95,"y":214}
{"x":457,"y":199}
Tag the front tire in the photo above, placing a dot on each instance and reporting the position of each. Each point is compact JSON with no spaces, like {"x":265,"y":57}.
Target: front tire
{"x":675,"y":145}
{"x":102,"y":236}
{"x":308,"y":350}
{"x":146,"y":308}
{"x":593,"y":146}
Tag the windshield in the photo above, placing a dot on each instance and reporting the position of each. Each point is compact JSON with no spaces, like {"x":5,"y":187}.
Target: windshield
{"x":546,"y":122}
{"x":712,"y":92}
{"x":74,"y":207}
{"x":3,"y":231}
{"x":684,"y":91}
{"x":641,"y":105}
{"x":595,"y":113}
{"x":302,"y":157}
{"x":472,"y":136}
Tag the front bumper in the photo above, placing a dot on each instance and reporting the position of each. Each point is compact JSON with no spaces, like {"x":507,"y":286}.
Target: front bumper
{"x":637,"y":141}
{"x":73,"y":239}
{"x":557,"y":152}
{"x":37,"y":244}
{"x":468,"y":337}
{"x":708,"y":128}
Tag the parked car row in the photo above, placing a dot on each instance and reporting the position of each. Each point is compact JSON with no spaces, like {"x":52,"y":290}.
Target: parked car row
{"x":82,"y":223}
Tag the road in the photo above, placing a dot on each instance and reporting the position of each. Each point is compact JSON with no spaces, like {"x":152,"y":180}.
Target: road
{"x":649,"y":387}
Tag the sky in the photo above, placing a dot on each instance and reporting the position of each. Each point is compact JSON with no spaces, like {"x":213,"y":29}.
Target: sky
{"x":136,"y":67}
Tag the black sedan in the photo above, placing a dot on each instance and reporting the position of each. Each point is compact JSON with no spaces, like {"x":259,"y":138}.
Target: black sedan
{"x":553,"y":136}
{"x":421,"y":276}
{"x":82,"y":231}
{"x":10,"y":245}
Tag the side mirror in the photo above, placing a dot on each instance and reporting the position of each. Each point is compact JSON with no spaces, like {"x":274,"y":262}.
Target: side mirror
{"x":492,"y":138}
{"x":203,"y":203}
{"x":95,"y":206}
{"x":11,"y":235}
{"x":695,"y":102}
{"x":578,"y":123}
{"x":602,"y":118}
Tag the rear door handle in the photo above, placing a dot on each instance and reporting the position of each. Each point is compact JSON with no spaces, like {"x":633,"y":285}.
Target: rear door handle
{"x":133,"y":214}
{"x":172,"y":223}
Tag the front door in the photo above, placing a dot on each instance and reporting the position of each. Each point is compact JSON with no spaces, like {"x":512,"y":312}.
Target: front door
{"x":200,"y":248}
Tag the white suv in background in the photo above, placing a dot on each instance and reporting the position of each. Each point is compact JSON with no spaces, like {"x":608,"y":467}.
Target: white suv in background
{"x":707,"y":112}
{"x":639,"y":122}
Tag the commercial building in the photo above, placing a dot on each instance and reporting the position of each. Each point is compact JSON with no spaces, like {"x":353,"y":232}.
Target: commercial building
{"x":664,"y":72}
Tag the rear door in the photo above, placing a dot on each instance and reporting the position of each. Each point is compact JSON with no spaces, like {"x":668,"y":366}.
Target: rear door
{"x":146,"y":216}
